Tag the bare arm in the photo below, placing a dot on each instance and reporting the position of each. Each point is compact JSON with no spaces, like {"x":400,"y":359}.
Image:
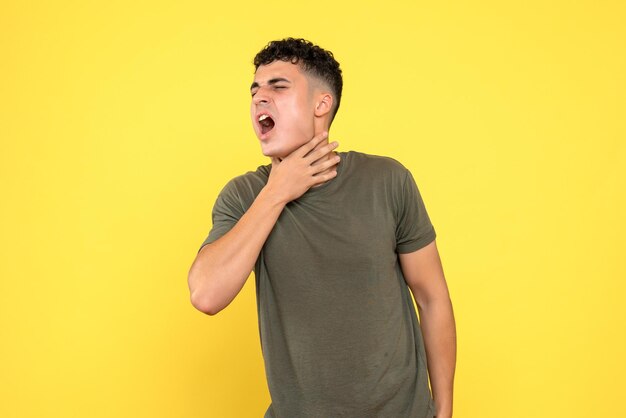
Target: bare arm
{"x":424,"y":274}
{"x":222,"y":267}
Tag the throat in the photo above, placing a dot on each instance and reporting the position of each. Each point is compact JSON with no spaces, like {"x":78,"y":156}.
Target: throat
{"x":328,"y":170}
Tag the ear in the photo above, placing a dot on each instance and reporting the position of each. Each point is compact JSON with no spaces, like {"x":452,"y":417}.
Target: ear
{"x":324,"y":104}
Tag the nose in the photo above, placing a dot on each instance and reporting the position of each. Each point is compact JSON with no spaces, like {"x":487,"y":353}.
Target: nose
{"x":261,"y":96}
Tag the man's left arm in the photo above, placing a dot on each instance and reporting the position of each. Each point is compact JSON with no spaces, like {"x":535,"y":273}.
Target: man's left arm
{"x":423,"y":272}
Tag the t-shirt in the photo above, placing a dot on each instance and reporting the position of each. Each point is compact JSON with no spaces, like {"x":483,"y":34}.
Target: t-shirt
{"x":339,"y":332}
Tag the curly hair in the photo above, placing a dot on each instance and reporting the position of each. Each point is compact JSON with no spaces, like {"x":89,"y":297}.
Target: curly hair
{"x":314,"y":60}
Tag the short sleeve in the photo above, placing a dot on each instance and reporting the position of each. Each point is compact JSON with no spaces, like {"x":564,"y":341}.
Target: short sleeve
{"x":227,"y":211}
{"x":413,"y":229}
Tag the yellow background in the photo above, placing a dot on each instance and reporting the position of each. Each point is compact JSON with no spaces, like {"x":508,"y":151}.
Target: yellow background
{"x":121,"y":121}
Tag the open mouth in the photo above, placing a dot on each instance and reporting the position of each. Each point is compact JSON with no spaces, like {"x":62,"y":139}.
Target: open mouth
{"x":266,"y":123}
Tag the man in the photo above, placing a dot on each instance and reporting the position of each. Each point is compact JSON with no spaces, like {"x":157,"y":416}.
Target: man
{"x":333,"y":239}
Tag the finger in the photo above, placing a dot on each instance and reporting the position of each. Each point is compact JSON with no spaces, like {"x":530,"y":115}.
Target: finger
{"x":321,"y":152}
{"x":325,"y":165}
{"x":309,"y":146}
{"x":323,"y":178}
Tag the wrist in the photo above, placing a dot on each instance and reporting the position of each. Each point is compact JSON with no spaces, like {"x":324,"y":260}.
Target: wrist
{"x":269,"y":195}
{"x":443,"y":409}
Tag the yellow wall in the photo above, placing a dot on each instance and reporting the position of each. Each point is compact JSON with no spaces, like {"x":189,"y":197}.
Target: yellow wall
{"x":121,"y":121}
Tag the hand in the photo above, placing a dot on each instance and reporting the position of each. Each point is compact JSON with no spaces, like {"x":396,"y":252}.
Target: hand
{"x":312,"y":164}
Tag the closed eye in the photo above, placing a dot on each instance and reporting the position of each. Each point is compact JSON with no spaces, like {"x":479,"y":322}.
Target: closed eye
{"x":252,"y":93}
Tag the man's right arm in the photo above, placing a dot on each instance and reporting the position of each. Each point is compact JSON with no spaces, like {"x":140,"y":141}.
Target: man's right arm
{"x":222,"y":267}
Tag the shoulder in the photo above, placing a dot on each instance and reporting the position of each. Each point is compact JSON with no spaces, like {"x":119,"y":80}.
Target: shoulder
{"x":251,"y":179}
{"x":377,"y":166}
{"x":376,"y":161}
{"x":245,"y":187}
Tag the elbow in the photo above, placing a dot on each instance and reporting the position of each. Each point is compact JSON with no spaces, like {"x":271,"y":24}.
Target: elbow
{"x":204,"y":304}
{"x":202,"y":298}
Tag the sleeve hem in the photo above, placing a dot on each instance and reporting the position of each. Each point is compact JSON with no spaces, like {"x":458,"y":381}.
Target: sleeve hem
{"x":204,"y":244}
{"x":417,"y":244}
{"x":214,"y":235}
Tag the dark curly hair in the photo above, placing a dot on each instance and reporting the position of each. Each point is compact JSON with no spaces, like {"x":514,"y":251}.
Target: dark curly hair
{"x":312,"y":59}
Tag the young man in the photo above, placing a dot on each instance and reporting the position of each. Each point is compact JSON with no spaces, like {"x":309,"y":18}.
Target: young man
{"x":333,"y":239}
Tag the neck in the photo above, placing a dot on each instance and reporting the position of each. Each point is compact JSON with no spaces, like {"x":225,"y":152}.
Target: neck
{"x":331,"y":154}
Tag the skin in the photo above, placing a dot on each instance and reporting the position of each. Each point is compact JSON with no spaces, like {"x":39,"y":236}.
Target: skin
{"x":302,"y":157}
{"x":291,"y":97}
{"x":424,"y":275}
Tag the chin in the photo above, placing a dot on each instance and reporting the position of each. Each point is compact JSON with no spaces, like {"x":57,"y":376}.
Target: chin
{"x":277,"y":152}
{"x":280,"y":145}
{"x":279,"y":155}
{"x":272,"y":153}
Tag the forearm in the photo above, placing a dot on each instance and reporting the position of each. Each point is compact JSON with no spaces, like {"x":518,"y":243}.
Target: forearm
{"x":222,"y":267}
{"x":439,"y":331}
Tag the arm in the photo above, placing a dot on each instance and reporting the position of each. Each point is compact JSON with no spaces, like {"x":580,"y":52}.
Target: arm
{"x":424,"y":275}
{"x":221,"y":268}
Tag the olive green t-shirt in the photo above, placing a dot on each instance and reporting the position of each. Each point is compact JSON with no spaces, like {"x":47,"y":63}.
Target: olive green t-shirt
{"x":339,"y":332}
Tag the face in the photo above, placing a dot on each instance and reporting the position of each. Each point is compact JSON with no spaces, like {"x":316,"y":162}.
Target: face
{"x":282,"y":108}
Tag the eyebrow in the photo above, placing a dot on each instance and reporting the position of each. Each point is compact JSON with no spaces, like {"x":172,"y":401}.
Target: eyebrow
{"x":272,"y":81}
